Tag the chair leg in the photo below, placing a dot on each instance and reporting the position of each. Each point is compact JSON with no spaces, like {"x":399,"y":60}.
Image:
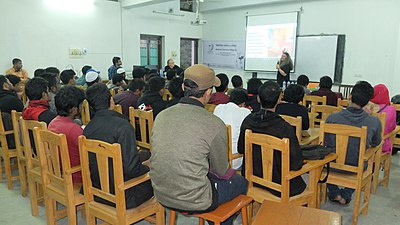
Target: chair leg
{"x":33,"y":197}
{"x":244,"y":216}
{"x":160,"y":215}
{"x":375,"y":179}
{"x":356,"y":205}
{"x":367,"y":195}
{"x":7,"y":168}
{"x":50,"y":210}
{"x":1,"y":170}
{"x":172,"y":217}
{"x":22,"y":178}
{"x":323,"y":193}
{"x":250,"y":214}
{"x":386,"y":172}
{"x":201,"y":221}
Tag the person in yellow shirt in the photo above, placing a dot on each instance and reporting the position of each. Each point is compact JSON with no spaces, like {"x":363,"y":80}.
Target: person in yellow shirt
{"x":17,"y":69}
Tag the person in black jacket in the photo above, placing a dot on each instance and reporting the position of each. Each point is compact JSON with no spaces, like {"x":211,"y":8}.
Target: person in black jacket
{"x":284,"y":66}
{"x":153,"y":97}
{"x":175,"y":88}
{"x":8,"y":98}
{"x":171,"y":66}
{"x":112,"y":127}
{"x":266,"y":121}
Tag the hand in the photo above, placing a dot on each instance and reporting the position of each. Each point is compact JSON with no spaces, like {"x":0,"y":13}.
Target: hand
{"x":277,"y":66}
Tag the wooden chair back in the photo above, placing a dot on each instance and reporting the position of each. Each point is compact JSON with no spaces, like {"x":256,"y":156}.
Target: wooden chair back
{"x":345,"y":90}
{"x":294,"y":122}
{"x":16,"y":121}
{"x":396,"y":141}
{"x":323,"y":112}
{"x":231,"y":156}
{"x":32,"y":158}
{"x":118,"y":109}
{"x":311,"y":100}
{"x":112,"y":92}
{"x":142,"y":120}
{"x":269,"y":145}
{"x":343,"y":103}
{"x":210,"y":107}
{"x":85,"y":113}
{"x":24,"y":98}
{"x":343,"y":133}
{"x":167,"y":96}
{"x":382,"y":119}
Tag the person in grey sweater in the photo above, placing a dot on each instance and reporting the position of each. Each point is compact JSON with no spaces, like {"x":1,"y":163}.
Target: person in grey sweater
{"x":189,"y":163}
{"x":354,"y":115}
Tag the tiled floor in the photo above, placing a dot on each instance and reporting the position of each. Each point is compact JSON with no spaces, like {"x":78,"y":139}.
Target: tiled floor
{"x":384,"y":207}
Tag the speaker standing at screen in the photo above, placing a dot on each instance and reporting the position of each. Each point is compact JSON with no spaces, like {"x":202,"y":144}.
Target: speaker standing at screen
{"x":284,"y":66}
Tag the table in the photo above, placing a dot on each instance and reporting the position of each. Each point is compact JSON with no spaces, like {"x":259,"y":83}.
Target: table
{"x":273,"y":213}
{"x":314,"y":136}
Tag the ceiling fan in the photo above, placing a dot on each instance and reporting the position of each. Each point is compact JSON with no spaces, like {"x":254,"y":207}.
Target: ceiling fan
{"x":196,"y":4}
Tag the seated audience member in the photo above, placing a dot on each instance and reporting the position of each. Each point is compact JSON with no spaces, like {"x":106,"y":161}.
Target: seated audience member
{"x":38,"y":109}
{"x":8,"y":98}
{"x":69,"y":103}
{"x":175,"y":88}
{"x":170,"y":75}
{"x":139,"y":73}
{"x":152,"y":97}
{"x":92,"y":77}
{"x":267,"y":121}
{"x":354,"y":115}
{"x":325,"y":85}
{"x":237,"y":83}
{"x":381,"y":104}
{"x":54,"y":87}
{"x":68,"y":77}
{"x":112,"y":70}
{"x":233,"y":113}
{"x":171,"y":66}
{"x":17,"y":84}
{"x":118,"y":130}
{"x":17,"y":69}
{"x":53,"y":70}
{"x":38,"y":72}
{"x":252,"y":91}
{"x":292,"y":95}
{"x":199,"y":179}
{"x":82,"y":80}
{"x":130,"y":97}
{"x":117,"y":83}
{"x":303,"y":81}
{"x":220,"y":97}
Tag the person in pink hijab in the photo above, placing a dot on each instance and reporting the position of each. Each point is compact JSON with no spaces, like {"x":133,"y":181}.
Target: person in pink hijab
{"x":382,"y":101}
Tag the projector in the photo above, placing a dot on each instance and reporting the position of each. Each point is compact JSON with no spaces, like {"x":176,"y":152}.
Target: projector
{"x":198,"y":22}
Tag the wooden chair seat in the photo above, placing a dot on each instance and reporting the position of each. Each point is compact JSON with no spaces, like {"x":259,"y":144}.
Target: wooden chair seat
{"x":54,"y":192}
{"x":260,"y":194}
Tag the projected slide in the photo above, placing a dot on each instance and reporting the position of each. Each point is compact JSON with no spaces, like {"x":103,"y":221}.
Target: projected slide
{"x":267,"y":37}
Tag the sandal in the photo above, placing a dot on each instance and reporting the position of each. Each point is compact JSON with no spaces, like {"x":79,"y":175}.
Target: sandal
{"x":337,"y":200}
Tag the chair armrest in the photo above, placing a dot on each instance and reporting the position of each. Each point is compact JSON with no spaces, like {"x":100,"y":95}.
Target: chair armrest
{"x":76,"y":169}
{"x":135,"y":181}
{"x":305,"y":169}
{"x":237,"y":156}
{"x":370,"y":152}
{"x":392,"y":133}
{"x":311,"y":165}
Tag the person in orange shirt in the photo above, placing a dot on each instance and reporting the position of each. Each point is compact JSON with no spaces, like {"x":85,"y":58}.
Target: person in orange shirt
{"x":17,"y":69}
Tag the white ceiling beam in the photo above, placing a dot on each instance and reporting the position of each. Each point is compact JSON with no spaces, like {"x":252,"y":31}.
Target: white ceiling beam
{"x":140,"y":3}
{"x":223,"y":5}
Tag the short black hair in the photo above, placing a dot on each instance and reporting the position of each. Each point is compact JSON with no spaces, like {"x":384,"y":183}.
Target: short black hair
{"x":85,"y":69}
{"x":136,"y":84}
{"x":191,"y":89}
{"x":236,"y":81}
{"x":156,"y":83}
{"x":67,"y":98}
{"x":293,"y":93}
{"x":154,"y":71}
{"x":171,"y":74}
{"x":139,"y":73}
{"x":98,"y":96}
{"x":16,"y":60}
{"x":13,"y":79}
{"x":115,"y":59}
{"x":175,"y":87}
{"x":252,"y":86}
{"x":52,"y":70}
{"x":303,"y":80}
{"x":51,"y":79}
{"x":269,"y":93}
{"x":35,"y":87}
{"x":67,"y":75}
{"x":224,"y":82}
{"x":325,"y":82}
{"x":362,"y":92}
{"x":118,"y":77}
{"x":238,"y":96}
{"x":38,"y":72}
{"x":2,"y":81}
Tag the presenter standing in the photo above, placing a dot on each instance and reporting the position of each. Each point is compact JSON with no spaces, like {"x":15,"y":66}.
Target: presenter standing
{"x":284,"y":66}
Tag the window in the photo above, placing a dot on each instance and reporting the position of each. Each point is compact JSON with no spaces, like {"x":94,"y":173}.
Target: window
{"x":189,"y":52}
{"x":150,"y":51}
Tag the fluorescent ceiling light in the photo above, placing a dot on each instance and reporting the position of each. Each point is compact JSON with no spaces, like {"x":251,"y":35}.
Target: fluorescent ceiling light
{"x":71,"y":5}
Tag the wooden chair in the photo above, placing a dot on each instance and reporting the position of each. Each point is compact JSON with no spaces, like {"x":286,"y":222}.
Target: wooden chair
{"x":32,"y":162}
{"x":269,"y":145}
{"x":167,"y":96}
{"x":231,"y":156}
{"x":396,"y":141}
{"x":24,"y":98}
{"x":145,"y":121}
{"x":118,"y":109}
{"x":323,"y":111}
{"x":223,"y":212}
{"x":16,"y":120}
{"x":311,"y":100}
{"x":8,"y":154}
{"x":106,"y":153}
{"x":352,"y":176}
{"x":294,"y":122}
{"x":112,"y":92}
{"x":85,"y":113}
{"x":210,"y":107}
{"x":343,"y":103}
{"x":345,"y":90}
{"x":57,"y":173}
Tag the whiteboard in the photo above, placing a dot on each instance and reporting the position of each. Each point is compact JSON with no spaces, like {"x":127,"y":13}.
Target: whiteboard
{"x":316,"y":56}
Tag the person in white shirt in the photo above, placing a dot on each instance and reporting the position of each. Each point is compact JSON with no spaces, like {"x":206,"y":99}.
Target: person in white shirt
{"x":233,"y":113}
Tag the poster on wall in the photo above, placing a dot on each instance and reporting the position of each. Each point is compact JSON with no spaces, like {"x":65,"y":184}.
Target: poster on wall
{"x":224,"y":54}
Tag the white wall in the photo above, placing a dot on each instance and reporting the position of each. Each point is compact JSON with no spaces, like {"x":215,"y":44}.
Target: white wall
{"x":372,"y":29}
{"x":41,"y":36}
